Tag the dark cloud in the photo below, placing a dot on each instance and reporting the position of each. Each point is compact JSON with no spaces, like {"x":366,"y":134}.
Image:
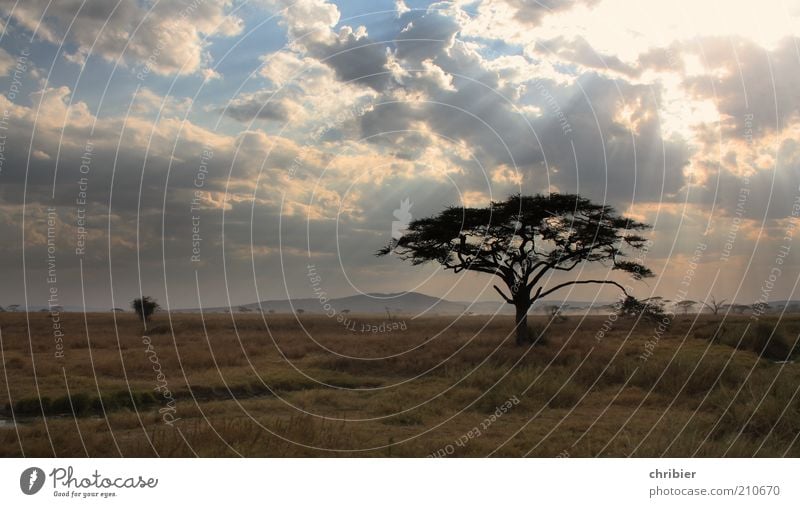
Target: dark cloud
{"x":424,"y":35}
{"x":355,"y":58}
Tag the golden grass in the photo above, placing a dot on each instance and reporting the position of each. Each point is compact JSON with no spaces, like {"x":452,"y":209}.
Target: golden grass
{"x":243,"y":386}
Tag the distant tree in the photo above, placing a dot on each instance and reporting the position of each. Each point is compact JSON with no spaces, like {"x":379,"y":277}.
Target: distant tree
{"x":345,"y":312}
{"x":244,"y":309}
{"x":145,"y":307}
{"x":759,"y":307}
{"x":523,"y":239}
{"x":737,"y":309}
{"x":715,"y":306}
{"x":555,"y":312}
{"x":271,"y":310}
{"x":117,"y":310}
{"x":608,"y":308}
{"x":13,"y":308}
{"x":686,"y":305}
{"x":650,"y":308}
{"x":300,"y":311}
{"x":793,"y":308}
{"x":2,"y":309}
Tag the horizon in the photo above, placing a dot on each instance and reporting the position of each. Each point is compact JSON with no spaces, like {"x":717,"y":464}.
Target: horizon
{"x":591,"y":303}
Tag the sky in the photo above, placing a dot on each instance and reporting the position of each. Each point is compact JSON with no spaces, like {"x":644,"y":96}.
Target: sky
{"x":222,"y":152}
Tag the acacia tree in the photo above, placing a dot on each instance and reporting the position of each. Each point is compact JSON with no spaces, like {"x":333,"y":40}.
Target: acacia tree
{"x":145,"y":307}
{"x":650,"y":308}
{"x":715,"y":306}
{"x":523,"y":239}
{"x":686,"y":305}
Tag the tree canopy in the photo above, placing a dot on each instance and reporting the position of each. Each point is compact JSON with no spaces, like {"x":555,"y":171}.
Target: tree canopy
{"x":522,"y":239}
{"x":145,"y":307}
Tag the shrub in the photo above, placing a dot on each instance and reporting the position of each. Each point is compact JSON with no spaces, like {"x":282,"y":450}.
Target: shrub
{"x":145,"y":307}
{"x":32,"y":406}
{"x":78,"y":403}
{"x":768,"y":342}
{"x":538,"y":334}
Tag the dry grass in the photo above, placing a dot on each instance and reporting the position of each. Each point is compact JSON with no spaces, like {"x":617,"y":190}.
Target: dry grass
{"x":243,"y":386}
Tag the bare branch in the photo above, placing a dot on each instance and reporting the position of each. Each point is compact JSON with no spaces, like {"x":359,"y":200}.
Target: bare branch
{"x":508,"y":299}
{"x":578,"y":282}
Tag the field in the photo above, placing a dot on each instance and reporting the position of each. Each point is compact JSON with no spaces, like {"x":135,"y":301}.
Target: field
{"x":245,"y":385}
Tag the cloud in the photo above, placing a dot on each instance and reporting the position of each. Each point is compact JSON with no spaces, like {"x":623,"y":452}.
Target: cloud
{"x":261,"y":105}
{"x":168,"y":37}
{"x":147,"y":101}
{"x":6,"y":62}
{"x":304,"y":93}
{"x":579,"y":52}
{"x":425,"y":35}
{"x":455,"y":104}
{"x":350,"y":52}
{"x":744,"y":80}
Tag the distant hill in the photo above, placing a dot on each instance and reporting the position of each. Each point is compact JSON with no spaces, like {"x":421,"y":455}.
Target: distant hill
{"x":413,"y":303}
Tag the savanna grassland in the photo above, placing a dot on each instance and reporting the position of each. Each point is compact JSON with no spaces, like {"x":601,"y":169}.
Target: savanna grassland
{"x":276,"y":386}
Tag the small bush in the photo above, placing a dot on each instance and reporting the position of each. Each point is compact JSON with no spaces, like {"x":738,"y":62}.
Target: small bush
{"x":768,"y":342}
{"x":145,"y":398}
{"x":32,"y":406}
{"x":78,"y":404}
{"x":763,"y":338}
{"x":537,"y":333}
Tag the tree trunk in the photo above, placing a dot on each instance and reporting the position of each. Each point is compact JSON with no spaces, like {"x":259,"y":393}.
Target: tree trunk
{"x":522,"y":306}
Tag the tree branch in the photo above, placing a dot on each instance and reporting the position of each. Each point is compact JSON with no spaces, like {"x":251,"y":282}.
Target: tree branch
{"x":576,"y":282}
{"x":508,"y":300}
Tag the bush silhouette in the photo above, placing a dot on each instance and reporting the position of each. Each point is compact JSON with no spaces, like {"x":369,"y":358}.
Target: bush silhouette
{"x":145,"y":307}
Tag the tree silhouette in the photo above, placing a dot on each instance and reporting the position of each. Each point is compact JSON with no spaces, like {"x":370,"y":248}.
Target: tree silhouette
{"x":685,"y":305}
{"x":715,"y":306}
{"x":144,"y":308}
{"x":650,"y":308}
{"x":737,"y":308}
{"x":555,"y":312}
{"x":521,"y":240}
{"x":13,"y":308}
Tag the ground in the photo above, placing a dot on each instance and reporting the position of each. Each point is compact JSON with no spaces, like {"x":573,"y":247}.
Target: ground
{"x":222,"y":385}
